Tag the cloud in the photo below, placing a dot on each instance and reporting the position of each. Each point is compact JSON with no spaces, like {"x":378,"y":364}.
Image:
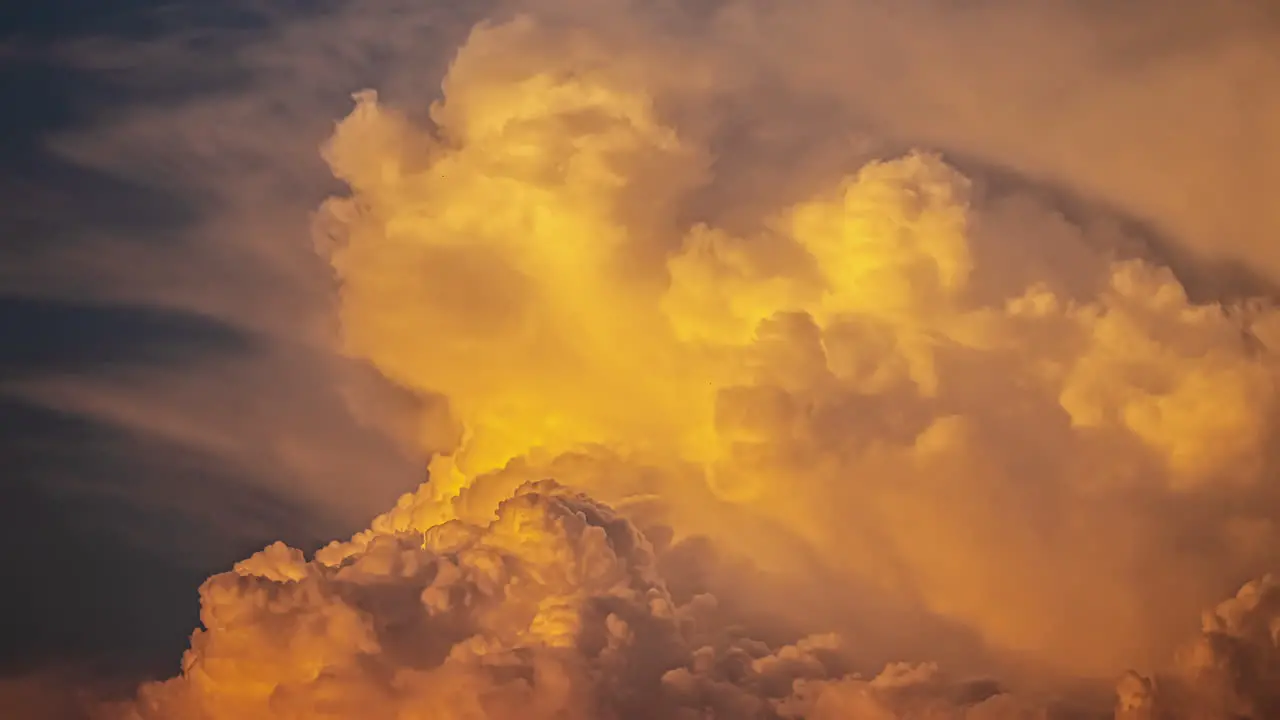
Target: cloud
{"x":927,"y":312}
{"x":1164,"y":112}
{"x":838,"y":369}
{"x":552,"y":609}
{"x":557,"y":607}
{"x":809,"y":94}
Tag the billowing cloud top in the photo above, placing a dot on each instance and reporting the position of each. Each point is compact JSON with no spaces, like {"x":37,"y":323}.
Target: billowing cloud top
{"x":951,"y":398}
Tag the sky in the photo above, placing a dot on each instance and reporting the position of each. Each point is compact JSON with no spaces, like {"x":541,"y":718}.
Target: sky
{"x":140,"y":386}
{"x":103,"y":504}
{"x":260,"y":270}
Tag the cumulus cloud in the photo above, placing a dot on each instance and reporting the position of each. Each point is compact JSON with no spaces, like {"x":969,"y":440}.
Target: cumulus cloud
{"x":1017,"y":461}
{"x":554,"y":608}
{"x":1165,"y":111}
{"x":1229,"y":671}
{"x":557,"y":607}
{"x":906,"y":311}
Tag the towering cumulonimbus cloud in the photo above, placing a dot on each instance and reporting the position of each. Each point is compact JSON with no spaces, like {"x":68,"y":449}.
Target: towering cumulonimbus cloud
{"x":845,"y":369}
{"x":890,"y":383}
